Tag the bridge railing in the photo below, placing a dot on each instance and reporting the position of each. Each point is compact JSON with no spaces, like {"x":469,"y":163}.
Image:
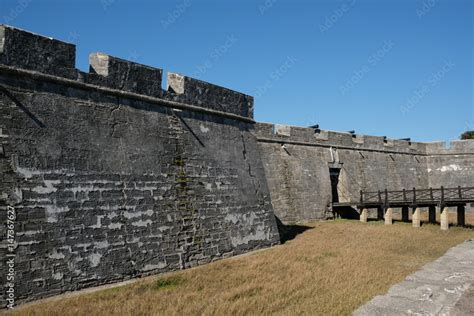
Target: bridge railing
{"x":418,"y":196}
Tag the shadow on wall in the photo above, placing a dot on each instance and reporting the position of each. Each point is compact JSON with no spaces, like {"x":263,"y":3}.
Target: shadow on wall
{"x":21,"y":106}
{"x":290,"y":231}
{"x":346,"y":212}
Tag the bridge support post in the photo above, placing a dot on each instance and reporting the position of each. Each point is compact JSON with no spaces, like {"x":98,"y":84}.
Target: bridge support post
{"x":364,"y":215}
{"x":416,"y":218}
{"x":444,"y":218}
{"x":432,"y":214}
{"x":388,"y":216}
{"x":461,"y":215}
{"x":405,"y":214}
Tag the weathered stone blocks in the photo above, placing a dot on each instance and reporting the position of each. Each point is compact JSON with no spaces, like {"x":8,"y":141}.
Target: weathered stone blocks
{"x":297,"y":161}
{"x":34,"y":52}
{"x":108,"y":186}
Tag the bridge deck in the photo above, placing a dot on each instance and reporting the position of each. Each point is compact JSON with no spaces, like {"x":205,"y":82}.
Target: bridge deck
{"x":412,"y":198}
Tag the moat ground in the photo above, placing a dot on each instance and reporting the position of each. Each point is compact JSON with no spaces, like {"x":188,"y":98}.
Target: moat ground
{"x":329,"y":268}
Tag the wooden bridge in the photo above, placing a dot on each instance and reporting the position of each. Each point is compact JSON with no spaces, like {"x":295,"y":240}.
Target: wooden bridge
{"x":385,"y":201}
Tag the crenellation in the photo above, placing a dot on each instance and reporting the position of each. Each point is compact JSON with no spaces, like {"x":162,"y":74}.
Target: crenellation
{"x":321,"y":135}
{"x":388,"y":142}
{"x":193,"y":91}
{"x":113,"y":72}
{"x":302,"y":134}
{"x":340,"y":139}
{"x":358,"y":139}
{"x":281,"y":130}
{"x":452,"y":148}
{"x":375,"y":141}
{"x":34,"y":52}
{"x":24,"y":50}
{"x":327,"y":138}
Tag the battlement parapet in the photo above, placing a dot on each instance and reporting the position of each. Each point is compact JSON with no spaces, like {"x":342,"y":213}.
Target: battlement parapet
{"x":325,"y":138}
{"x":24,"y":50}
{"x":30,"y":51}
{"x":116,"y":73}
{"x":192,"y":91}
{"x":455,"y":147}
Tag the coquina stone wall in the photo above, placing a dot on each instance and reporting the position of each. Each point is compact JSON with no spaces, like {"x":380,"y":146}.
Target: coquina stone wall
{"x":297,"y":162}
{"x":450,"y":164}
{"x":111,"y":177}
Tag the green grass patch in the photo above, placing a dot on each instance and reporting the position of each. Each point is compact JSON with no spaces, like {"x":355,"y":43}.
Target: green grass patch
{"x":168,"y":283}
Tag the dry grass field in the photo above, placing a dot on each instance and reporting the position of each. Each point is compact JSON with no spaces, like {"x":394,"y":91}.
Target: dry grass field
{"x":329,"y":269}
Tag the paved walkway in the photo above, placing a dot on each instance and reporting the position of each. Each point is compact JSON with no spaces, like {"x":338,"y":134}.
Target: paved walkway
{"x":443,"y":287}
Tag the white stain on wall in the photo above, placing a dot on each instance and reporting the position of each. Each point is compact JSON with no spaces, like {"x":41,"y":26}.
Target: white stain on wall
{"x":449,"y":168}
{"x":203,"y":128}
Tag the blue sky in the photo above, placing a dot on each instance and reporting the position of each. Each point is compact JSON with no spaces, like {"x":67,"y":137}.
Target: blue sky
{"x":391,"y":68}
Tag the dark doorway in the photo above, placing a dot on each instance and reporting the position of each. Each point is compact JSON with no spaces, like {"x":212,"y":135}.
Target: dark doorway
{"x":334,"y":175}
{"x":340,"y":211}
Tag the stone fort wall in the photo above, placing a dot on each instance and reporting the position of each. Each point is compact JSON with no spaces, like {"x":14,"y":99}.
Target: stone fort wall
{"x":297,"y":162}
{"x":112,"y":178}
{"x":450,"y":164}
